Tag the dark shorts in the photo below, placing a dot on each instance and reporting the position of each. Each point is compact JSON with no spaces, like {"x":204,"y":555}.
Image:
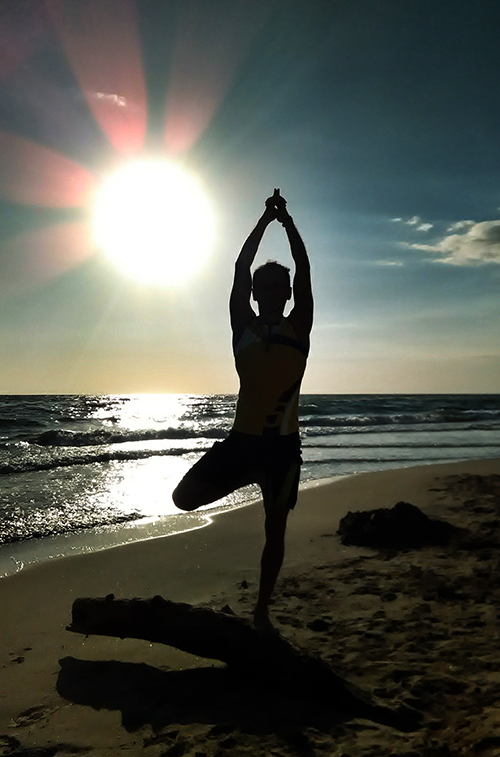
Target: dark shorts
{"x":271,"y":461}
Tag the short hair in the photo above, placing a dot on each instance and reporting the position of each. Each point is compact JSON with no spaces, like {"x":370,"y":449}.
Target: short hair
{"x":272,"y":266}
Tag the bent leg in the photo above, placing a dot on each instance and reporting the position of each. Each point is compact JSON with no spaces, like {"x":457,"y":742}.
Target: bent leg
{"x":219,"y":472}
{"x":193,"y":492}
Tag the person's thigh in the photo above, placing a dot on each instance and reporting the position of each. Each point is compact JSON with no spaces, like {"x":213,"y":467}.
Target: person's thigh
{"x":221,"y":470}
{"x":280,"y":489}
{"x":282,"y":474}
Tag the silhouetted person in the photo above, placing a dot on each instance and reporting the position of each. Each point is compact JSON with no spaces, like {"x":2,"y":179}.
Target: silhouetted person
{"x":270,"y":353}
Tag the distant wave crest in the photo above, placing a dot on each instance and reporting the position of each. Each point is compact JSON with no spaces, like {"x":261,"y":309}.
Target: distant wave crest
{"x":67,"y":438}
{"x":399,"y":419}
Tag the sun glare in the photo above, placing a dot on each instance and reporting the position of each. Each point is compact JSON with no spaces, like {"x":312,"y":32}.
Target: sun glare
{"x":154,"y":222}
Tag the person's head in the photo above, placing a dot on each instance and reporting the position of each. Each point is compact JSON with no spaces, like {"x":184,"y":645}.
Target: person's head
{"x":271,"y":289}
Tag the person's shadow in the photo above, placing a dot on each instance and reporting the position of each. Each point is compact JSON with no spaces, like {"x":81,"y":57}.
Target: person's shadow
{"x":147,"y":695}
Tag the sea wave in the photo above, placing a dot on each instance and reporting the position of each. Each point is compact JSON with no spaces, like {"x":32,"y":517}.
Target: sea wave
{"x":100,"y":437}
{"x":25,"y":465}
{"x":407,"y":445}
{"x":21,"y":524}
{"x":400,"y":419}
{"x":85,"y":461}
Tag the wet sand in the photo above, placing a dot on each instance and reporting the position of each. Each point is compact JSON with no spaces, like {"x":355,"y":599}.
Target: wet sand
{"x":418,"y":627}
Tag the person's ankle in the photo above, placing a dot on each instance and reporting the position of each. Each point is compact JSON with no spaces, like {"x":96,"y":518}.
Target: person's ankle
{"x":262,"y":621}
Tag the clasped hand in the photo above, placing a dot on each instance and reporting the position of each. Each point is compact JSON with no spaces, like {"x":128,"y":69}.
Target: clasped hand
{"x":276,"y":207}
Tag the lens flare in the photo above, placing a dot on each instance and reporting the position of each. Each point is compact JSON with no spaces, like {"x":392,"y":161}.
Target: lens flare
{"x":211,"y":43}
{"x":36,"y":256}
{"x":103,"y":49}
{"x":32,"y":174}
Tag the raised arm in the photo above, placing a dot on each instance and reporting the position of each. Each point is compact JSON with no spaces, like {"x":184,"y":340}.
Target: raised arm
{"x":240,"y":310}
{"x":301,"y":315}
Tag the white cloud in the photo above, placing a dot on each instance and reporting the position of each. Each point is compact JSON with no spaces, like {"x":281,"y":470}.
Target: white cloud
{"x":112,"y":98}
{"x":478,"y":245}
{"x":414,"y":221}
{"x":460,"y":225}
{"x":388,"y":262}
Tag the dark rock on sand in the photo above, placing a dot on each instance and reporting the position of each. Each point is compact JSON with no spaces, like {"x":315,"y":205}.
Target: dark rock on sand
{"x":319,"y":624}
{"x":402,"y":527}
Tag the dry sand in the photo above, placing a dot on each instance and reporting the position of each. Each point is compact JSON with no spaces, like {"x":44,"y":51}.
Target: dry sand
{"x":418,"y":626}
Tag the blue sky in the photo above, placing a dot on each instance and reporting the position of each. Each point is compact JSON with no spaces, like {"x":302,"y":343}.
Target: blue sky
{"x":379,"y":121}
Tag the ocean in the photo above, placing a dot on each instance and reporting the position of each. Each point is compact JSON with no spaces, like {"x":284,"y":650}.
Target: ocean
{"x":85,"y":472}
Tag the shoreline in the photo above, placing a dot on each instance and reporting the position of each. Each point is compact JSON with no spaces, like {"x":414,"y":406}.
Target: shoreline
{"x":29,"y":553}
{"x":372,"y":614}
{"x":25,"y":554}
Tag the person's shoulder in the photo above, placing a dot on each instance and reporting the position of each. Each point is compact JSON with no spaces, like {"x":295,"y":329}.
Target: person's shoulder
{"x":249,"y":329}
{"x":290,"y":328}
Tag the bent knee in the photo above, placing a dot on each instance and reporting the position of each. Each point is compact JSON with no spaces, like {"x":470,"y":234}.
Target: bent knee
{"x":191,"y":494}
{"x":182,"y":499}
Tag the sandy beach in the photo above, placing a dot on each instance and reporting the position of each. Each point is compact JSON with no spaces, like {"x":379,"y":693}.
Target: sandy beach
{"x":418,"y":627}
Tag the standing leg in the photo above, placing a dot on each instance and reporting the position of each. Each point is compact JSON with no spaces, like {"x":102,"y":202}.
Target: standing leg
{"x":279,"y":492}
{"x":272,"y":559}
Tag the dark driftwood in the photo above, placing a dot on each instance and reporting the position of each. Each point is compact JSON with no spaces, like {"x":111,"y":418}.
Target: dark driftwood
{"x":234,"y":641}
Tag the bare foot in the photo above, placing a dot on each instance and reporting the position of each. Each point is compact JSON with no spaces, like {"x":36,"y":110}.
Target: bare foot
{"x":263,"y":624}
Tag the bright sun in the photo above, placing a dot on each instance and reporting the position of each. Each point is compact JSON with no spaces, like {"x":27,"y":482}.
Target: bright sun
{"x":154,"y":222}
